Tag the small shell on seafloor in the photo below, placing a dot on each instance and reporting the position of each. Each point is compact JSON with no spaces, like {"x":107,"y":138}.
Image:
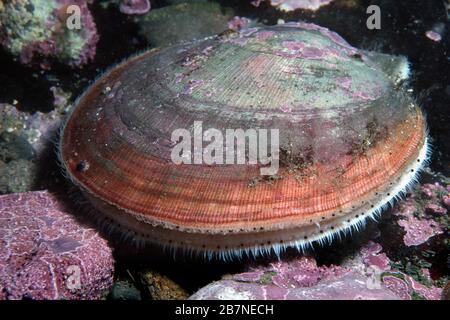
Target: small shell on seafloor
{"x":351,"y":139}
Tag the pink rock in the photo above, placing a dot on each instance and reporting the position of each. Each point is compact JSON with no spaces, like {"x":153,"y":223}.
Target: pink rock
{"x":350,"y":286}
{"x":398,"y":286}
{"x":374,"y":258}
{"x":405,"y":287}
{"x":135,"y":6}
{"x":367,"y":275}
{"x":297,"y":279}
{"x":302,"y":272}
{"x":418,"y":230}
{"x":432,"y":191}
{"x":446,"y":201}
{"x":432,"y":293}
{"x":402,"y":285}
{"x":46,"y":253}
{"x":432,"y":208}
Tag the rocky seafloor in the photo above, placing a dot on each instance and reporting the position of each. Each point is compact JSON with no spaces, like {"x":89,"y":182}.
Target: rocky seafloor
{"x":46,"y":242}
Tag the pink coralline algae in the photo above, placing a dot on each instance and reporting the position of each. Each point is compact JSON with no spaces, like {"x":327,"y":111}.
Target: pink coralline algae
{"x":435,"y":209}
{"x":406,"y":287}
{"x":303,"y":50}
{"x":418,"y":230}
{"x":63,"y":30}
{"x":435,"y":191}
{"x":418,"y":221}
{"x":135,"y":6}
{"x":298,"y":279}
{"x":372,"y":256}
{"x":300,"y":50}
{"x":328,"y":33}
{"x":402,"y":285}
{"x":45,"y":253}
{"x":291,"y":5}
{"x":368,"y":275}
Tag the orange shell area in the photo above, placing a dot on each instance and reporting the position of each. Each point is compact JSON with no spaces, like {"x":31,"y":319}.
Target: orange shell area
{"x":219,"y":198}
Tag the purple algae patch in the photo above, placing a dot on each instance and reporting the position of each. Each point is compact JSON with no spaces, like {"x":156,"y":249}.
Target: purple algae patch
{"x":47,"y":253}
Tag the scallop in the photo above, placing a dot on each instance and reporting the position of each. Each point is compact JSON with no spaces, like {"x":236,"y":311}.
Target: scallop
{"x":349,"y":140}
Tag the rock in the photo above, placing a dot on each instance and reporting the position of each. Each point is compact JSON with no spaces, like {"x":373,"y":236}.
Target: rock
{"x":366,"y":275}
{"x":184,"y":22}
{"x":46,"y":253}
{"x":124,"y":290}
{"x":418,"y":229}
{"x":373,"y":257}
{"x":14,"y":147}
{"x":45,"y":33}
{"x":160,"y":287}
{"x":350,"y":286}
{"x":39,"y":129}
{"x":298,"y":279}
{"x":433,"y":191}
{"x":17,"y":176}
{"x":27,"y":147}
{"x":409,"y":289}
{"x":422,"y":215}
{"x":432,"y":208}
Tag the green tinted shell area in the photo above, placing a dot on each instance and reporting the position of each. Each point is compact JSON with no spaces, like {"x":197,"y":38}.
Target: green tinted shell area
{"x":327,"y":98}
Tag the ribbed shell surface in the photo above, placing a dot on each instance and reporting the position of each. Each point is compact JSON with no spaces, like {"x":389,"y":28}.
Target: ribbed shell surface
{"x":347,"y":134}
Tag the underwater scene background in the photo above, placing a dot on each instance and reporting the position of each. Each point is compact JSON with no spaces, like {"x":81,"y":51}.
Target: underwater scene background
{"x":50,"y":247}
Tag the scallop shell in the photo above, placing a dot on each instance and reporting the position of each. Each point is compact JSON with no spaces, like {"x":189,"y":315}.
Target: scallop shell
{"x":351,"y":140}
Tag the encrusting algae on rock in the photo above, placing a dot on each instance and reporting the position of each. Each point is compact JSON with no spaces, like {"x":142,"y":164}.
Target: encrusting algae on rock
{"x":36,"y":30}
{"x":351,"y":141}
